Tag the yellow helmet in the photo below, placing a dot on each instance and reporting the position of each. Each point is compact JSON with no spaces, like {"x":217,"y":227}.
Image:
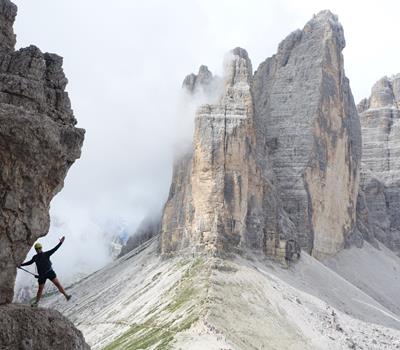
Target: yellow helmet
{"x":38,"y":246}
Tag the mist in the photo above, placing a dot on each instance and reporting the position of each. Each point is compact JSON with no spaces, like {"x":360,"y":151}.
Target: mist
{"x":126,"y":60}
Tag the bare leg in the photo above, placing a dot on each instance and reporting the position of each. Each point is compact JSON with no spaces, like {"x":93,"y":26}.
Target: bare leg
{"x":39,"y":293}
{"x":60,"y":287}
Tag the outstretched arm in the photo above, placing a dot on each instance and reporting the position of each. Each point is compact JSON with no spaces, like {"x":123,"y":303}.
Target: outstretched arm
{"x":52,"y":251}
{"x":30,"y":262}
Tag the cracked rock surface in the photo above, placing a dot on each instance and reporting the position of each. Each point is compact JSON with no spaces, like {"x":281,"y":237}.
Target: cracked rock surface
{"x":38,"y":144}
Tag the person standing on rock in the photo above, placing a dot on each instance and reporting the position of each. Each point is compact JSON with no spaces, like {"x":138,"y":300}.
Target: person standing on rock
{"x":45,"y":270}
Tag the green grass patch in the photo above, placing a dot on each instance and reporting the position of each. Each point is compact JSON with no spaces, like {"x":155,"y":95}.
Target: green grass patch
{"x":142,"y":336}
{"x":159,"y":330}
{"x":181,"y":299}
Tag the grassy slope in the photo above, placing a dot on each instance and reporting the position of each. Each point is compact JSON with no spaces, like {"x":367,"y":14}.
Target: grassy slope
{"x":186,"y":303}
{"x":145,"y":302}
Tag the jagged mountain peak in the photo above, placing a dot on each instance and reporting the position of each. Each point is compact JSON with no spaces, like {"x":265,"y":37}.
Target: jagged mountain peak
{"x":327,"y":19}
{"x":204,"y":80}
{"x":242,"y":53}
{"x":265,"y":155}
{"x":326,"y":16}
{"x":237,"y":67}
{"x":385,"y":93}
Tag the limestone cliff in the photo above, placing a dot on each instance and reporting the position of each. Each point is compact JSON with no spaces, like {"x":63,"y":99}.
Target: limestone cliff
{"x":220,"y":199}
{"x":38,"y":144}
{"x":209,"y":210}
{"x":277,"y":157}
{"x":307,"y":119}
{"x":380,"y":176}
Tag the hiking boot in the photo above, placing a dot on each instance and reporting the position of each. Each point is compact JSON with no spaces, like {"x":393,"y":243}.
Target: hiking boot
{"x":68,"y":297}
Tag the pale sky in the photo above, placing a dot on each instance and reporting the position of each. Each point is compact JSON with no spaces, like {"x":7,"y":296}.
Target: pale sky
{"x":125,"y":61}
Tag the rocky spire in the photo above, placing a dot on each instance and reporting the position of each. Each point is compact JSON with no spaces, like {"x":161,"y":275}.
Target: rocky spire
{"x":219,"y":199}
{"x":277,"y":157}
{"x":379,"y":204}
{"x":193,"y":83}
{"x":38,"y":144}
{"x":194,"y":212}
{"x":384,"y":93}
{"x":305,"y":115}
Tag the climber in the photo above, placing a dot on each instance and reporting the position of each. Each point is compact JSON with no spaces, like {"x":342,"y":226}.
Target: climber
{"x":45,"y":270}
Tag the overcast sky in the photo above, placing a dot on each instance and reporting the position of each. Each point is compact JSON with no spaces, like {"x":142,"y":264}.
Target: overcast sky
{"x":125,"y":61}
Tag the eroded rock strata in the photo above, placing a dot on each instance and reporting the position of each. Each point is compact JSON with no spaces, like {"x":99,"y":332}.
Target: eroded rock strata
{"x":38,"y":144}
{"x":307,"y":119}
{"x":380,"y":175}
{"x":218,"y":196}
{"x":278,"y":155}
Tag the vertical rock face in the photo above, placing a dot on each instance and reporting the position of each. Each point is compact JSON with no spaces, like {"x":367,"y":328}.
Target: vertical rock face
{"x":210,"y":187}
{"x":38,"y":144}
{"x":220,"y":174}
{"x":380,"y":180}
{"x":307,"y":119}
{"x":220,"y":199}
{"x":277,"y":157}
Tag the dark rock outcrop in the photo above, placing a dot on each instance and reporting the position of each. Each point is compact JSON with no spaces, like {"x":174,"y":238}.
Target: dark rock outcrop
{"x":38,"y":144}
{"x":277,"y":157}
{"x":380,"y":175}
{"x":41,"y":329}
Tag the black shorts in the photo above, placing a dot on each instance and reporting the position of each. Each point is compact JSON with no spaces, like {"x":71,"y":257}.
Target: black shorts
{"x":51,"y":275}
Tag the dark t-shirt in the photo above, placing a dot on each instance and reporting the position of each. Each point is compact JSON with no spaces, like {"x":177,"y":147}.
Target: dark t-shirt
{"x":42,"y":260}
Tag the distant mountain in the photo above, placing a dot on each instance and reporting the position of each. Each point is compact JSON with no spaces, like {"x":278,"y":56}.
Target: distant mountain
{"x":379,"y":198}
